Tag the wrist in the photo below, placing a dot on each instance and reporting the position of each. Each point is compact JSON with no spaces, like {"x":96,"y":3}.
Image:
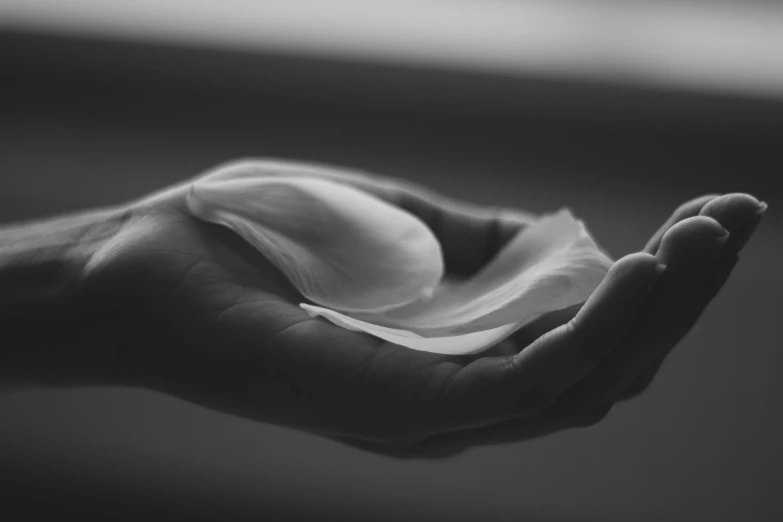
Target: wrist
{"x":46,"y":315}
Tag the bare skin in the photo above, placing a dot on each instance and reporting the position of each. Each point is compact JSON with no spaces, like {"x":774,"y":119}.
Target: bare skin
{"x":145,"y":295}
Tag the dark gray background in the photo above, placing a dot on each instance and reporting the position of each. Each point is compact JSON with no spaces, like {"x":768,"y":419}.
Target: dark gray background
{"x":86,"y":124}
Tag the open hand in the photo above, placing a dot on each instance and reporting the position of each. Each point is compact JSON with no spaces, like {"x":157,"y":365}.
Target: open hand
{"x":188,"y":308}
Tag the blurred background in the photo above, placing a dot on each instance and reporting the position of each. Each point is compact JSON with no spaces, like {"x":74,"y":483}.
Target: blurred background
{"x":620,"y":110}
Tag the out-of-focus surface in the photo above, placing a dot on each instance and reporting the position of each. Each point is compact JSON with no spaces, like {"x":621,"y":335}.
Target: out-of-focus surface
{"x":87,"y":123}
{"x":722,"y":45}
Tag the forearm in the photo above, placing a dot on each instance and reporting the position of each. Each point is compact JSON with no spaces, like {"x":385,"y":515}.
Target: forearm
{"x":44,"y":311}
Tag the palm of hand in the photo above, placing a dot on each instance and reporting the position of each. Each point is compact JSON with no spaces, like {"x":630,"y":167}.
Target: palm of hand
{"x":223,"y":327}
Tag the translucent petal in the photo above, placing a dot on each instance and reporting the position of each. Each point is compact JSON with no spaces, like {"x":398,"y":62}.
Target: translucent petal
{"x":341,"y":247}
{"x":450,"y":345}
{"x":372,"y":267}
{"x":552,"y":264}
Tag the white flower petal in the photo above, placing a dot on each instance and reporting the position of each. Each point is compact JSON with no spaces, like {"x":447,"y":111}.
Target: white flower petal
{"x":450,"y":345}
{"x":550,"y":265}
{"x":372,"y":267}
{"x":340,"y":247}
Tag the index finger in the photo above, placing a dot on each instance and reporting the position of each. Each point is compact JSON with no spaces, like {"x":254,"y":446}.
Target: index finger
{"x":495,"y":389}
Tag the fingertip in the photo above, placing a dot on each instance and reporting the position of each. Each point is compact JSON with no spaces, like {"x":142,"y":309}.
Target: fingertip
{"x":732,"y":210}
{"x":694,"y":233}
{"x":688,"y":209}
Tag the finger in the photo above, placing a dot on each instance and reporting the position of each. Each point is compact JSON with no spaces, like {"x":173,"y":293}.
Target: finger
{"x":578,"y":408}
{"x":545,"y":324}
{"x":492,"y":389}
{"x":713,"y":285}
{"x":741,"y":215}
{"x":571,"y":351}
{"x":721,"y":208}
{"x":684,"y":211}
{"x":689,"y":249}
{"x":533,"y":330}
{"x":470,"y":235}
{"x":503,"y":348}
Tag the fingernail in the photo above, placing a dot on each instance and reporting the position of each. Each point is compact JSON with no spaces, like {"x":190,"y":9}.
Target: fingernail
{"x":721,"y":239}
{"x":762,"y":208}
{"x":660,"y":268}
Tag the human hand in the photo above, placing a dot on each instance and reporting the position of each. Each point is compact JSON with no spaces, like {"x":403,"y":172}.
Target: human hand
{"x":187,"y":308}
{"x":693,"y":277}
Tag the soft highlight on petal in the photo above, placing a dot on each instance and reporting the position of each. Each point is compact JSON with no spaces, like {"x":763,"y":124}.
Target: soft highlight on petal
{"x":340,"y":247}
{"x":552,"y":264}
{"x":369,"y":266}
{"x":463,"y":344}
